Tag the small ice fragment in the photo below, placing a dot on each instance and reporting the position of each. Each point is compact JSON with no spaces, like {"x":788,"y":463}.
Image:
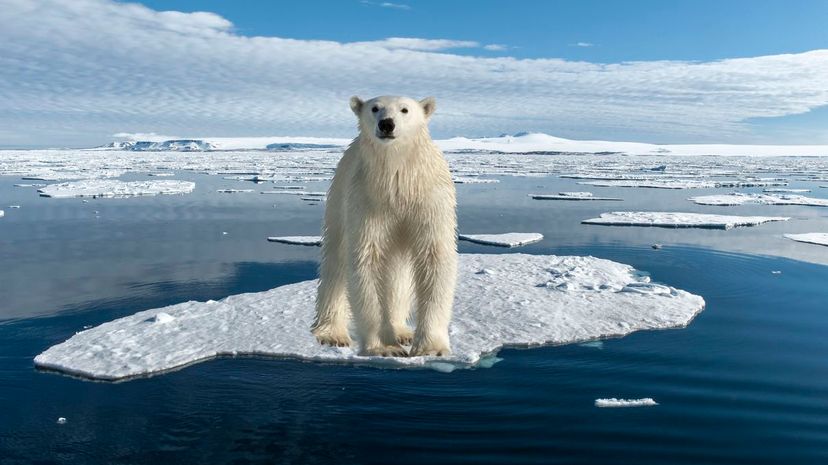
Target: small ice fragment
{"x":61,"y":421}
{"x":442,"y":367}
{"x":485,"y":271}
{"x":488,"y":361}
{"x":810,"y":238}
{"x":14,"y":206}
{"x":503,"y":240}
{"x":776,"y":272}
{"x":613,"y":402}
{"x":593,"y":344}
{"x":224,"y":233}
{"x":297,"y":240}
{"x":656,"y":246}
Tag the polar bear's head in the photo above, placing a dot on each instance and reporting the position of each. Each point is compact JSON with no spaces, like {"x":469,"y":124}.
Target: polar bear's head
{"x":389,"y":119}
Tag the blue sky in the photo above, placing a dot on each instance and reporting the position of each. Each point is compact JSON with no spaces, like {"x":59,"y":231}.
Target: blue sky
{"x":617,"y":30}
{"x":76,"y":73}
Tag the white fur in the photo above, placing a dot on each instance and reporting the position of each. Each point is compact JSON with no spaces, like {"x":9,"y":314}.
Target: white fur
{"x":389,"y":235}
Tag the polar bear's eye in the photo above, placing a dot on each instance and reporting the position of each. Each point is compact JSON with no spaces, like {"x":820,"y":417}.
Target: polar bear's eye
{"x":404,"y":110}
{"x":374,"y":110}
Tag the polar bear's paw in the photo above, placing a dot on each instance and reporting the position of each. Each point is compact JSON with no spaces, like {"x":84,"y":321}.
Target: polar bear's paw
{"x":386,"y":351}
{"x":430,"y":350}
{"x":329,"y":337}
{"x":404,"y":335}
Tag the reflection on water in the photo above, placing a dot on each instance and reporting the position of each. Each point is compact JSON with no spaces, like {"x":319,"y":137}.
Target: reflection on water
{"x":745,"y":383}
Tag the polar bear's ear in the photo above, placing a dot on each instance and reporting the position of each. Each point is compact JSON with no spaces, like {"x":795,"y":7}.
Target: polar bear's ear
{"x":356,"y":105}
{"x":429,"y":105}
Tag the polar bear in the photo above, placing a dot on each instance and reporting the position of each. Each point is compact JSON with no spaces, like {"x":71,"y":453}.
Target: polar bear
{"x":389,"y":235}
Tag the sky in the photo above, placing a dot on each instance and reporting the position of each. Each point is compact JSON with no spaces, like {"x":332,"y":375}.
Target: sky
{"x":78,"y":73}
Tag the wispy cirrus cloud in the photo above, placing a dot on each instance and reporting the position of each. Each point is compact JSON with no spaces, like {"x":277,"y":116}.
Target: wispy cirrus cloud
{"x":396,"y":6}
{"x":77,"y":72}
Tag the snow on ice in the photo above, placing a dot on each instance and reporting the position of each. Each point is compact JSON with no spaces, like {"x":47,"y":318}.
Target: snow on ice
{"x":680,"y":220}
{"x":114,"y":188}
{"x":502,"y":240}
{"x":514,"y":305}
{"x":810,"y":238}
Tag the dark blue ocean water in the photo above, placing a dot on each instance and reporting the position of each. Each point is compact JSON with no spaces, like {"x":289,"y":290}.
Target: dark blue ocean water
{"x":746,"y":382}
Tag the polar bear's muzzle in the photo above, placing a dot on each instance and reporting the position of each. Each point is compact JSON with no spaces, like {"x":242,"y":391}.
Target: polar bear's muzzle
{"x":385,"y":128}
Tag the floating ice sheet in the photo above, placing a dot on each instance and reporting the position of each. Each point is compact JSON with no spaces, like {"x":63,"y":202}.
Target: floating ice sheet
{"x":738,"y":198}
{"x":115,"y":188}
{"x":615,"y":403}
{"x":471,"y":180}
{"x":810,"y":238}
{"x":680,"y":220}
{"x":570,"y":196}
{"x":525,"y":300}
{"x":503,"y":240}
{"x":784,"y":190}
{"x":297,"y":240}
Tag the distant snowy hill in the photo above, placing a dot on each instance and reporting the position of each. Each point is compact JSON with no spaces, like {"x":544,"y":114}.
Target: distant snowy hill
{"x":176,"y":145}
{"x":518,"y":143}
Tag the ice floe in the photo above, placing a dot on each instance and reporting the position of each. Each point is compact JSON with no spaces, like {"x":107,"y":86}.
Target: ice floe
{"x":470,"y":180}
{"x":615,"y":403}
{"x":502,"y":240}
{"x":512,"y":306}
{"x":234,"y":191}
{"x":2,"y":213}
{"x":680,"y":183}
{"x":296,"y":240}
{"x":115,"y":188}
{"x":680,"y":220}
{"x":810,"y":238}
{"x":784,"y":190}
{"x":738,"y":198}
{"x":570,"y":196}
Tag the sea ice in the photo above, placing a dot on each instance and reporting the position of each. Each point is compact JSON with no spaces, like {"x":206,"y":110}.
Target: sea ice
{"x":510,"y":307}
{"x":680,"y":183}
{"x":613,"y":402}
{"x":297,"y":240}
{"x":115,"y":188}
{"x":680,"y":220}
{"x":652,"y":184}
{"x":784,"y":190}
{"x":738,"y":198}
{"x":234,"y":191}
{"x":469,"y":180}
{"x":570,"y":196}
{"x":502,"y":240}
{"x":2,"y":213}
{"x":810,"y":238}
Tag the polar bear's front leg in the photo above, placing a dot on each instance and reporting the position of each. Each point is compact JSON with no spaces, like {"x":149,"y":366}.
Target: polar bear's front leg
{"x":367,"y":255}
{"x":435,"y":276}
{"x":330,"y":326}
{"x":395,"y":296}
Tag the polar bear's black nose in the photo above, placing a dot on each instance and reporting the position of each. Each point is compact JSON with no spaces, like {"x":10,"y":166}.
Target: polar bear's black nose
{"x":386,"y":126}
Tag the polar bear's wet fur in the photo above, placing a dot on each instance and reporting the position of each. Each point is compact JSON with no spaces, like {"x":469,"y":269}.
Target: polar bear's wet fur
{"x":389,"y":236}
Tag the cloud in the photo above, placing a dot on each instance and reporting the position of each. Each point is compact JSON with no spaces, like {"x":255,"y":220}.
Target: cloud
{"x":495,"y":47}
{"x":409,"y":43}
{"x":77,"y":72}
{"x":582,"y":44}
{"x":396,"y":6}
